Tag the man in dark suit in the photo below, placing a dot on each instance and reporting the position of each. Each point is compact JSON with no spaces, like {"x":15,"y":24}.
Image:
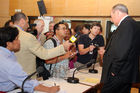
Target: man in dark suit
{"x":121,"y":58}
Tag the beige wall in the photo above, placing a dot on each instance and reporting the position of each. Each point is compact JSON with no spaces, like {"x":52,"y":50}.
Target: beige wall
{"x":4,"y":11}
{"x":74,"y":7}
{"x":63,"y":9}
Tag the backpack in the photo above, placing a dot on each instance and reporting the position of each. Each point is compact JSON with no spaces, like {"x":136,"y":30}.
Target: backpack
{"x":40,"y":62}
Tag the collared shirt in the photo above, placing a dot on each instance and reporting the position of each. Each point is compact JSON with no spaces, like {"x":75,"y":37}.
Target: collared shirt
{"x":59,"y":69}
{"x":122,"y":19}
{"x":12,"y":74}
{"x":19,"y":27}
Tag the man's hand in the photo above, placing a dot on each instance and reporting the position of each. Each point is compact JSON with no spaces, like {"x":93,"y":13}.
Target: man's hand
{"x":91,"y":47}
{"x":112,"y":74}
{"x":101,"y":50}
{"x":43,"y":88}
{"x":54,"y":89}
{"x":67,"y":45}
{"x":70,"y":54}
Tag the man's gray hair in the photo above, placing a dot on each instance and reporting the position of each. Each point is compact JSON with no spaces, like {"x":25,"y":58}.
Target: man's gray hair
{"x":19,"y":15}
{"x":121,"y":7}
{"x":38,"y":21}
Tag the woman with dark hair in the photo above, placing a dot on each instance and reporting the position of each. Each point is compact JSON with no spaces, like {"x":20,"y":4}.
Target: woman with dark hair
{"x":86,"y":29}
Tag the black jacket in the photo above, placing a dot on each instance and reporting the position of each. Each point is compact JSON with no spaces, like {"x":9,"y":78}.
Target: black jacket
{"x":122,"y":53}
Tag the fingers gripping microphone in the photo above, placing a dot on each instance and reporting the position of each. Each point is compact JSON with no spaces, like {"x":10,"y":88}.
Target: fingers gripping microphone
{"x":96,"y":45}
{"x":74,"y":37}
{"x":39,"y":70}
{"x":76,"y":80}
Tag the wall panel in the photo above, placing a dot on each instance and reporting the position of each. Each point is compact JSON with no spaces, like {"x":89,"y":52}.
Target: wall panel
{"x":4,"y":12}
{"x":74,"y":7}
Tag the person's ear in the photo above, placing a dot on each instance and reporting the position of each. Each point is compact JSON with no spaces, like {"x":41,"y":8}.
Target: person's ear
{"x":8,"y":45}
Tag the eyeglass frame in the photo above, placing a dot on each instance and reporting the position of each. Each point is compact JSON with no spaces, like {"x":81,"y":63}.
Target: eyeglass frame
{"x":63,"y":28}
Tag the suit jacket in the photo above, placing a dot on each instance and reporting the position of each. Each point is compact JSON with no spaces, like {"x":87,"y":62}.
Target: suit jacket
{"x":122,"y":53}
{"x":30,"y":48}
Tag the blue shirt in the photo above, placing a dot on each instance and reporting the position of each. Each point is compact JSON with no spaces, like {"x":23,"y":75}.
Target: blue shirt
{"x":12,"y":74}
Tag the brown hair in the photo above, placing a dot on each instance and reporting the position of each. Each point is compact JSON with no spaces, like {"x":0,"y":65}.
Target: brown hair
{"x":96,"y":24}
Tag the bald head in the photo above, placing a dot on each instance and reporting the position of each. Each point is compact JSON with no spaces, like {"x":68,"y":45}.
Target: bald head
{"x":121,"y":7}
{"x":119,"y":11}
{"x":39,"y":25}
{"x":38,"y":21}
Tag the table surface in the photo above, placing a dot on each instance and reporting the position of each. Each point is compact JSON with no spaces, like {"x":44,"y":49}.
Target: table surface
{"x":86,"y":80}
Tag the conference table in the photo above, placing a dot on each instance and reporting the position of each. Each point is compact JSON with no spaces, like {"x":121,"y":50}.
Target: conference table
{"x":86,"y":81}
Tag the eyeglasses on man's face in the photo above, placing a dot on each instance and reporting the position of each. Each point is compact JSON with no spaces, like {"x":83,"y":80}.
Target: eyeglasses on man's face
{"x":63,"y":28}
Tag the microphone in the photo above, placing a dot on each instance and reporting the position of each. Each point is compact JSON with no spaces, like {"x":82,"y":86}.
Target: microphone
{"x":31,"y":25}
{"x":76,"y":80}
{"x":91,"y":52}
{"x":30,"y":29}
{"x":96,"y":46}
{"x":39,"y":70}
{"x":73,"y":38}
{"x":93,"y":70}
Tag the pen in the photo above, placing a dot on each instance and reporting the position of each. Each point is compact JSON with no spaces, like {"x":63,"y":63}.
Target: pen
{"x":54,"y":84}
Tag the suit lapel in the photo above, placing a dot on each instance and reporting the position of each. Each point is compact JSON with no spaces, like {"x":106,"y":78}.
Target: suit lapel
{"x":110,"y":41}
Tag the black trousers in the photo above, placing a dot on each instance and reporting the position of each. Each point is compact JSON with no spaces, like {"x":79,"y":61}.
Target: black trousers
{"x":116,"y":85}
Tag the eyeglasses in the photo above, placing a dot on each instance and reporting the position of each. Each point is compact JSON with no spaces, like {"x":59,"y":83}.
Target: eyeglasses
{"x":63,"y":29}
